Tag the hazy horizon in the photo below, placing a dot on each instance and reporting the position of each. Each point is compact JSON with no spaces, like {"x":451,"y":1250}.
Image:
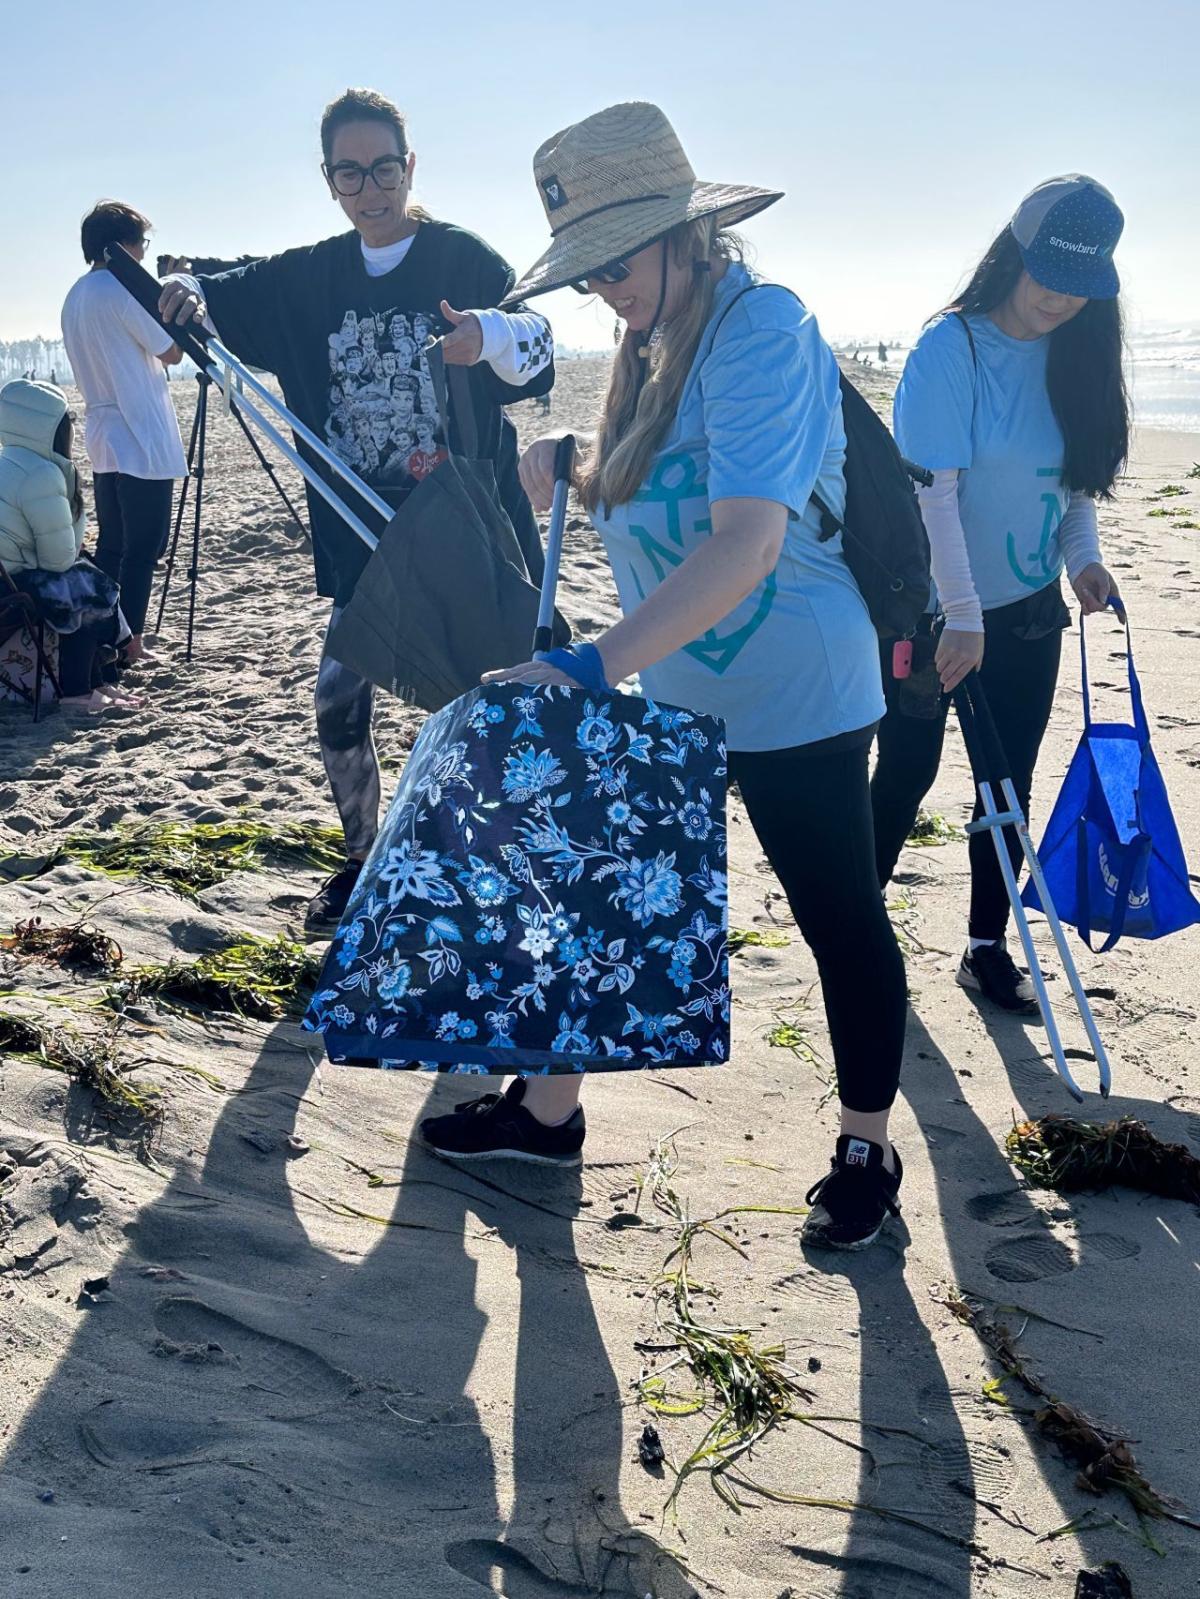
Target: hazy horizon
{"x":903,"y":142}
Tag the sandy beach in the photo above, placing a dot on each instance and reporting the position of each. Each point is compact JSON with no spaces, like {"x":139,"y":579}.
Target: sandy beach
{"x":315,"y":1360}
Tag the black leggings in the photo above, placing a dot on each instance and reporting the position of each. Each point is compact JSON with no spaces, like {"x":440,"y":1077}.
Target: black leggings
{"x":1019,"y":674}
{"x":134,"y":514}
{"x":811,"y":810}
{"x":78,"y":669}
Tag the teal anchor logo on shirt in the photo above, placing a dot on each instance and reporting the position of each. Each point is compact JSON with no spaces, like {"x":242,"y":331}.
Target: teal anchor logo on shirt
{"x":674,"y":480}
{"x":1040,"y":569}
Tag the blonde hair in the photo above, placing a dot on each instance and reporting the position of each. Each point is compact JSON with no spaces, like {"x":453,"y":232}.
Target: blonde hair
{"x":638,"y":411}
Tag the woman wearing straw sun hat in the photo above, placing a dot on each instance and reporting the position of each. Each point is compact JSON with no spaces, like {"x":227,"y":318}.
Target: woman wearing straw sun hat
{"x":722,"y":417}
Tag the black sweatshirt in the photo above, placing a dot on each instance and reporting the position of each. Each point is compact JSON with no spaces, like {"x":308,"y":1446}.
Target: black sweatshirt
{"x":347,"y":350}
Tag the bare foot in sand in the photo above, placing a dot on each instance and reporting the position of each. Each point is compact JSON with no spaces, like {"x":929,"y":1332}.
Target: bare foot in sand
{"x":119,"y":698}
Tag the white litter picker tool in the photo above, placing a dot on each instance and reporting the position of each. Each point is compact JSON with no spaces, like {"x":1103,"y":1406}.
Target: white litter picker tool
{"x":989,"y":766}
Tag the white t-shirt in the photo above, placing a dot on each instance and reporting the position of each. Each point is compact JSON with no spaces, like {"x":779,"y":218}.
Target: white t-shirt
{"x":113,"y":347}
{"x":384,"y":258}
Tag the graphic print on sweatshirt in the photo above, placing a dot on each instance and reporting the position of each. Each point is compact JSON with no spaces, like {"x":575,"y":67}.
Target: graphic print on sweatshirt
{"x":383,"y":417}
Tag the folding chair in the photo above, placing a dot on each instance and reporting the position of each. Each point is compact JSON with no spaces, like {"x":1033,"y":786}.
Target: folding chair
{"x":17,"y":610}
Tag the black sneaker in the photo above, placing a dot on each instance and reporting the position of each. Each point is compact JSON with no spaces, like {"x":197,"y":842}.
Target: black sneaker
{"x":499,"y":1125}
{"x":851,"y":1205}
{"x":991,"y":971}
{"x":327,"y":906}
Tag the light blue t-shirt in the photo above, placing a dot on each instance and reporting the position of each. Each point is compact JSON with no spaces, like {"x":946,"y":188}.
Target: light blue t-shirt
{"x":991,"y":419}
{"x":760,"y":416}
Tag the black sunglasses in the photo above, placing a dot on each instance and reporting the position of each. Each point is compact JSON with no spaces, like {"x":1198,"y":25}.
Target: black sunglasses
{"x":612,"y":272}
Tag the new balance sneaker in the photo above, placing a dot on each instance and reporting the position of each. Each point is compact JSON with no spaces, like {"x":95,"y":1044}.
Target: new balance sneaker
{"x":498,"y":1125}
{"x":851,"y":1204}
{"x":327,"y":905}
{"x":991,"y":971}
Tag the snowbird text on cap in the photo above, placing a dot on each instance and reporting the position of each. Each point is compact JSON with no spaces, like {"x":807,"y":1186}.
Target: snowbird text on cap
{"x":1079,"y":249}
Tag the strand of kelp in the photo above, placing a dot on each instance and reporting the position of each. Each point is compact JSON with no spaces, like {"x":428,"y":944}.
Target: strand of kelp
{"x":188,"y":857}
{"x":259,"y":977}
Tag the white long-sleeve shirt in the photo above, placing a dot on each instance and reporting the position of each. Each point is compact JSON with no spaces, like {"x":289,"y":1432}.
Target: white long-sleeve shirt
{"x":1078,"y":538}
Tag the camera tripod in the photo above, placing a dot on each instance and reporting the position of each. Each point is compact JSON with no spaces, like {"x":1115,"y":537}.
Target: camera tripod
{"x":195,"y":472}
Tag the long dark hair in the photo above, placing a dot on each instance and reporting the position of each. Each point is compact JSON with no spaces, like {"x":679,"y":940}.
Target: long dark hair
{"x":63,"y":435}
{"x":1084,"y":377}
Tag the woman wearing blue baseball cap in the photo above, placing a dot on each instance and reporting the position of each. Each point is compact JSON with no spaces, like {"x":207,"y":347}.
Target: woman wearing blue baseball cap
{"x":1014,"y":398}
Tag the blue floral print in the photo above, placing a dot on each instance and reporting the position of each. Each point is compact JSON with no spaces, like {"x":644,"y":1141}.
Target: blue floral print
{"x":548,"y":894}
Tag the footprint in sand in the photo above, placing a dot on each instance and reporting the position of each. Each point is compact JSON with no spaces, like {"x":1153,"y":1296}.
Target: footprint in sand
{"x":479,"y":1558}
{"x":986,"y":1468}
{"x":1008,"y":1208}
{"x":288,"y":1378}
{"x":809,"y":1283}
{"x":131,"y":1437}
{"x":1029,"y":1258}
{"x":869,"y":1577}
{"x":1034,"y":1256}
{"x":1111,"y":1246}
{"x":499,"y":1568}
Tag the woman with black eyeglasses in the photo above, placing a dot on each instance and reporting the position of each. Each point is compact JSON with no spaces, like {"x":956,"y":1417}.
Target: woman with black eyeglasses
{"x":343,"y":325}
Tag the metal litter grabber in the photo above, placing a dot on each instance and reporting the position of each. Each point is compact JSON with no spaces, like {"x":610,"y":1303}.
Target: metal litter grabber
{"x":448,"y":592}
{"x":234,"y":379}
{"x":989,"y":766}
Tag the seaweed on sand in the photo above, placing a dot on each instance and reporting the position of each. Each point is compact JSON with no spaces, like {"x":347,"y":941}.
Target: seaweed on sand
{"x":751,"y":938}
{"x":1061,"y":1153}
{"x":258,"y":977}
{"x":75,"y":944}
{"x":188,"y":857}
{"x":1105,"y":1459}
{"x":745,"y":1389}
{"x":90,"y":1062}
{"x":931,"y":828}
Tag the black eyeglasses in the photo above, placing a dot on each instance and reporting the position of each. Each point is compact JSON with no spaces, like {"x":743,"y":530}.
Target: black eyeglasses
{"x":612,"y":272}
{"x":349,"y":178}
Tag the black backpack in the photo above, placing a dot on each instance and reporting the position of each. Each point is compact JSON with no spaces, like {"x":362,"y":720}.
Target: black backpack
{"x":883,"y":537}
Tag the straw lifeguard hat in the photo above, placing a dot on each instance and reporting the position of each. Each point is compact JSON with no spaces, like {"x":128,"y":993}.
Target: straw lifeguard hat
{"x":615,"y":182}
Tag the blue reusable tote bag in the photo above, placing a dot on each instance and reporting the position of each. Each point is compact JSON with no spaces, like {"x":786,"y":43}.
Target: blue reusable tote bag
{"x":1111,"y":854}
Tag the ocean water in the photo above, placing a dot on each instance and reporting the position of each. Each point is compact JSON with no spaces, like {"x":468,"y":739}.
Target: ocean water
{"x":1163,"y":369}
{"x":1164,"y":374}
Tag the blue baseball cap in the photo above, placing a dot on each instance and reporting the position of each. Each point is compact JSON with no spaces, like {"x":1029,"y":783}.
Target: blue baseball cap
{"x":1067,"y":229}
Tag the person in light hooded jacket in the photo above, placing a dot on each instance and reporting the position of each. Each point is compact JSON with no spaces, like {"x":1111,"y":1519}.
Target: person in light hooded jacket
{"x":42,"y":524}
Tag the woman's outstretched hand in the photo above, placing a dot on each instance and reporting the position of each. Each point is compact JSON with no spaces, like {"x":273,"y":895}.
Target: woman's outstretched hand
{"x":463,"y":345}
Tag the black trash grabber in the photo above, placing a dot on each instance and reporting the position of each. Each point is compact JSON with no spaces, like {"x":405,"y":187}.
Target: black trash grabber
{"x":564,"y":460}
{"x":989,"y":767}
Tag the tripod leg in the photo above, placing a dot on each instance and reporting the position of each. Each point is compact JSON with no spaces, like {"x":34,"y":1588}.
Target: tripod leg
{"x":179,"y":510}
{"x":197,"y":505}
{"x":267,"y":467}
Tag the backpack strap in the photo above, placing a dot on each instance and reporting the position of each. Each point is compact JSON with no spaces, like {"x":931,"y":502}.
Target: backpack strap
{"x":970,"y":338}
{"x":830,"y":524}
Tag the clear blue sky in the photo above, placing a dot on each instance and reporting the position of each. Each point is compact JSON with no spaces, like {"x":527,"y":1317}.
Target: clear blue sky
{"x":903,"y":134}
